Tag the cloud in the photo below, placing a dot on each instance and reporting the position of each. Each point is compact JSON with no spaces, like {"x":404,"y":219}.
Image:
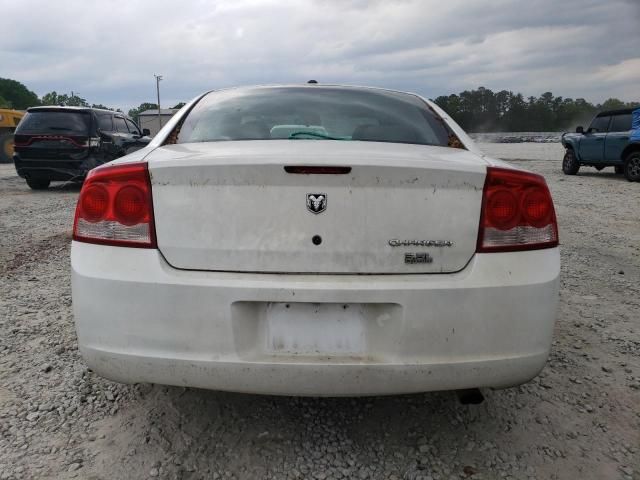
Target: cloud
{"x":108,"y":50}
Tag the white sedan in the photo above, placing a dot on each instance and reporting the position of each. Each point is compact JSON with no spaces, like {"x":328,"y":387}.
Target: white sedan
{"x":314,"y":240}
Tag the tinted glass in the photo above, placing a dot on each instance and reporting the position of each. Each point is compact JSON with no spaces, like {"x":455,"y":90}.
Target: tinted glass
{"x":132,"y":127}
{"x":313,"y":113}
{"x":621,"y":123}
{"x":120,"y":125}
{"x":105,"y":123}
{"x":59,"y":122}
{"x":600,"y":124}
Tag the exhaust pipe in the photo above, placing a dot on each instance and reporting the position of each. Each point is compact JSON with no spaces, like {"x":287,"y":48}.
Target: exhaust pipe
{"x":472,"y":396}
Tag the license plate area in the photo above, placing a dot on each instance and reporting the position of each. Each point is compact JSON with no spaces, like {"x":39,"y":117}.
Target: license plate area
{"x":286,"y":331}
{"x":315,"y":329}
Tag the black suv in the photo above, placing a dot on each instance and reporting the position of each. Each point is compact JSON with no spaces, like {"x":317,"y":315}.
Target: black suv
{"x":64,"y":143}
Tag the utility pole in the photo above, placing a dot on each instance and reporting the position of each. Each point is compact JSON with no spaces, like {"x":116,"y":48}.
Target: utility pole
{"x":158,"y":78}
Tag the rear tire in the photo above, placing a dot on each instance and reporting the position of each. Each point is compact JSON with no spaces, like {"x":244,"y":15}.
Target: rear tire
{"x":632,"y":167}
{"x":619,"y":170}
{"x":6,"y":148}
{"x":570,"y":165}
{"x":38,"y":183}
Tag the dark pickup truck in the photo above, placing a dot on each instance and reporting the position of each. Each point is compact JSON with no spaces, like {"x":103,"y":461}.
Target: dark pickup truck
{"x":64,"y":143}
{"x":612,"y":140}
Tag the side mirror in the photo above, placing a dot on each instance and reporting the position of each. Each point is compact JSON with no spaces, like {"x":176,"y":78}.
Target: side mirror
{"x":580,"y":129}
{"x":146,"y":132}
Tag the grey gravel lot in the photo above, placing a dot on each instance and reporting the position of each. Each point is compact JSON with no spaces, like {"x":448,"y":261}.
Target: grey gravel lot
{"x":579,"y":419}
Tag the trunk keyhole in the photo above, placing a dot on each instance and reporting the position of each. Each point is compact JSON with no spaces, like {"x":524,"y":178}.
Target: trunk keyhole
{"x":316,"y":239}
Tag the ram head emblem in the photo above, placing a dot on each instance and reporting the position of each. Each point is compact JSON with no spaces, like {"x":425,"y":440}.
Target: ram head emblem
{"x":316,"y":202}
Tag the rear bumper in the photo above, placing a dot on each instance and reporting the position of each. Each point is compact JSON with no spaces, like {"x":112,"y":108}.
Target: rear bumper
{"x":140,"y":320}
{"x":55,"y":169}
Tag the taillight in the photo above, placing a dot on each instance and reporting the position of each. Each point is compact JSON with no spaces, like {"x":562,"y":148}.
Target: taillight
{"x":517,"y":212}
{"x":115,"y":207}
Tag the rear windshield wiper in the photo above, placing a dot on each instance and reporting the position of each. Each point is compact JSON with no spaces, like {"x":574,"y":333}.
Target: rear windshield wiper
{"x":60,"y":128}
{"x":296,"y":135}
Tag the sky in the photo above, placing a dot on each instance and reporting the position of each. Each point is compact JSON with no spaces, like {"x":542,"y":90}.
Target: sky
{"x":109,"y":50}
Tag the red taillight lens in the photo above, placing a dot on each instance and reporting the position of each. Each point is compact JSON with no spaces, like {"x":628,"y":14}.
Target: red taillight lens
{"x":130,"y":205}
{"x":94,"y":203}
{"x":115,"y":207}
{"x":517,"y":212}
{"x":537,"y":207}
{"x":502,"y":209}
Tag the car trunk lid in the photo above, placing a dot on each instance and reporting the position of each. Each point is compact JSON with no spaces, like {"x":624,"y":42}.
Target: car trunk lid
{"x":233,"y":206}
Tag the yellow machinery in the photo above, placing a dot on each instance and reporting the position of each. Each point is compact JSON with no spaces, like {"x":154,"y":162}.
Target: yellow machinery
{"x":9,"y":120}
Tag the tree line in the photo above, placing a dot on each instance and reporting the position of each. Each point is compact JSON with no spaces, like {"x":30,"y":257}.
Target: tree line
{"x":15,"y":95}
{"x":483,"y":110}
{"x":480,"y":110}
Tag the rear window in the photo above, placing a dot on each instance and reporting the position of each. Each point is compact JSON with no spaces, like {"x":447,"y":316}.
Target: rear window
{"x":105,"y":123}
{"x":55,"y":122}
{"x":621,"y":123}
{"x":314,"y":113}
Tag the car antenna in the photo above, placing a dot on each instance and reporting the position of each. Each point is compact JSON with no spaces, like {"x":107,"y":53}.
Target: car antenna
{"x":313,"y":81}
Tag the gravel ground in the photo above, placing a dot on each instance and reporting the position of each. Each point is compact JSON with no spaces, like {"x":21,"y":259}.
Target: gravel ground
{"x":579,"y":419}
{"x":517,"y":137}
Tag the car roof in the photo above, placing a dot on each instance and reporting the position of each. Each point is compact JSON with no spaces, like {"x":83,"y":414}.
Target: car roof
{"x":620,"y":111}
{"x":311,"y":86}
{"x":49,"y":108}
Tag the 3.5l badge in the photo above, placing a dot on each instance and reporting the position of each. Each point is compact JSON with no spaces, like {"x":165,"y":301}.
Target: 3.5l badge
{"x":420,"y":257}
{"x":316,"y":202}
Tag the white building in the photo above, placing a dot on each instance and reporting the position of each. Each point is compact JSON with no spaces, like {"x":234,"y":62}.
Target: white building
{"x":149,"y":119}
